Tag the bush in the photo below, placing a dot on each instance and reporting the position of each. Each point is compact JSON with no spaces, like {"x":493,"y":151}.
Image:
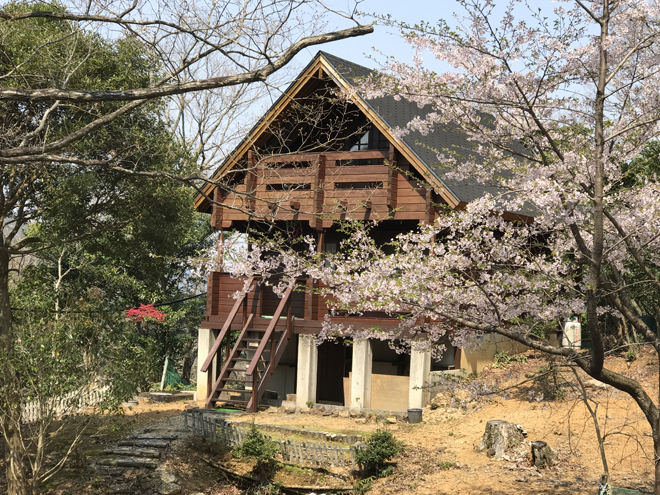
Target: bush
{"x":502,"y":359}
{"x":259,"y":448}
{"x":380,"y":447}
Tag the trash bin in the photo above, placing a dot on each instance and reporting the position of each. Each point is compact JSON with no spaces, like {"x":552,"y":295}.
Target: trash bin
{"x":414,"y":415}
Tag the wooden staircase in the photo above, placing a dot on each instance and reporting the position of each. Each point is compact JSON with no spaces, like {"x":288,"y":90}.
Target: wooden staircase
{"x":251,"y":362}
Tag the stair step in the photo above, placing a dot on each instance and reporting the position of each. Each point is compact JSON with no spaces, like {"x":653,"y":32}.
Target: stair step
{"x":232,"y":390}
{"x":237,"y":401}
{"x":241,"y":380}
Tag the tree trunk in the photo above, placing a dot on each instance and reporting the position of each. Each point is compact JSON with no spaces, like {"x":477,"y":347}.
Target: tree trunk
{"x":499,"y":437}
{"x":16,"y":462}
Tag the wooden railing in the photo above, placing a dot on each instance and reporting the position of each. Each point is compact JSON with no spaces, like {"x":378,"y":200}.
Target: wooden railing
{"x":242,"y":300}
{"x":276,"y":351}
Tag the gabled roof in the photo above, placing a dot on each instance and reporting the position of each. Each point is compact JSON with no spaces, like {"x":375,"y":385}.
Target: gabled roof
{"x":386,"y":114}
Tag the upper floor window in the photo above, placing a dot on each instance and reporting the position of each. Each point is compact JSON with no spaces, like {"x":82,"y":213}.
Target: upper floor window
{"x":362,"y":143}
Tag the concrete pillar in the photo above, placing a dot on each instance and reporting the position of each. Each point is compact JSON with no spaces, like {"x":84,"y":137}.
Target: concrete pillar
{"x":361,"y":375}
{"x":420,"y":374}
{"x":306,"y":370}
{"x":205,"y":340}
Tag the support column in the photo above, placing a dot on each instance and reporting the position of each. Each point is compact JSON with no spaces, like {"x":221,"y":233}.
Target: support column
{"x":205,"y":340}
{"x":306,"y":370}
{"x":420,"y":374}
{"x":361,"y":375}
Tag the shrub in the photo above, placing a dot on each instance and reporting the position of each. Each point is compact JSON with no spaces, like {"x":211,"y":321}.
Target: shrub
{"x":309,"y":404}
{"x":630,"y":356}
{"x":259,"y":448}
{"x":363,"y":486}
{"x":502,"y":359}
{"x":378,"y":448}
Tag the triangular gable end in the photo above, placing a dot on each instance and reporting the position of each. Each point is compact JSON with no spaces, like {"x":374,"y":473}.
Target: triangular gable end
{"x":319,"y":67}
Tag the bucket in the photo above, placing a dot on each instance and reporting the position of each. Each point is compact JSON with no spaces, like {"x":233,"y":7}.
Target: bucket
{"x":414,"y":415}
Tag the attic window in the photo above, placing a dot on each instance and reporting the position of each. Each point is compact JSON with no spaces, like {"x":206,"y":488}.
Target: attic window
{"x":362,"y":143}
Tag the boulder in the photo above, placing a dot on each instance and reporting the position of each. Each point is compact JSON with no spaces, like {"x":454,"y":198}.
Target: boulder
{"x":499,"y":437}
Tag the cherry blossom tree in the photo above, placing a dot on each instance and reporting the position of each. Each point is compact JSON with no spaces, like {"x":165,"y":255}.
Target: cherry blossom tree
{"x":555,"y":106}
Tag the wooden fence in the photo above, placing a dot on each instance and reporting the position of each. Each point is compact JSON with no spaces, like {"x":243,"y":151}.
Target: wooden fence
{"x":56,"y":407}
{"x":299,"y":452}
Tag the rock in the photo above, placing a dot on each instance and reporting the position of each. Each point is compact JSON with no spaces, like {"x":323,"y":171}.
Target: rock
{"x":297,"y":410}
{"x":392,"y":419}
{"x":499,"y":436}
{"x":361,"y":421}
{"x":272,"y":409}
{"x":542,"y":455}
{"x":167,"y":477}
{"x":451,"y":410}
{"x":169,"y":489}
{"x":344,"y":414}
{"x":354,"y":414}
{"x":289,"y":411}
{"x":596,"y":384}
{"x":281,"y":409}
{"x":380,"y":418}
{"x":328,"y":413}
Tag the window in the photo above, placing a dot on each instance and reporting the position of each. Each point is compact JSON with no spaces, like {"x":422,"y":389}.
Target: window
{"x":362,"y":143}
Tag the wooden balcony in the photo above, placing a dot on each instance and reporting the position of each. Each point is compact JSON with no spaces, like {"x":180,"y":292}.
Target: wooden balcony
{"x":324,"y":187}
{"x":308,"y":309}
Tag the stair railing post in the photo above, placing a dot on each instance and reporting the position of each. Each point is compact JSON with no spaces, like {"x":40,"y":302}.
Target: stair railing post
{"x":255,"y":393}
{"x":289,"y":310}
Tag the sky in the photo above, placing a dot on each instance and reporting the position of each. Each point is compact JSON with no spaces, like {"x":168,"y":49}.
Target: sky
{"x":363,"y":50}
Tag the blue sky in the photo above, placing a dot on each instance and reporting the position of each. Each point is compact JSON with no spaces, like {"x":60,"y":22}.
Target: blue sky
{"x":385,"y":39}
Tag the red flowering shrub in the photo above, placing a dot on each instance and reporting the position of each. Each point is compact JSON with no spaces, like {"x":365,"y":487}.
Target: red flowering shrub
{"x":144,"y":311}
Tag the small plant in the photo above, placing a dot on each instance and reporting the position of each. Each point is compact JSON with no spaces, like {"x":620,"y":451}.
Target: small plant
{"x":630,"y":356}
{"x":434,"y":406}
{"x":309,"y":404}
{"x":378,"y":448}
{"x":363,"y":486}
{"x":550,"y":382}
{"x":502,"y":359}
{"x":259,"y":448}
{"x":445,"y":465}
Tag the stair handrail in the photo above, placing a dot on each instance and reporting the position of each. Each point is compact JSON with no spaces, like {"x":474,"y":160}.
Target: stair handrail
{"x":223,"y":372}
{"x":269,"y":331}
{"x":225,"y":328}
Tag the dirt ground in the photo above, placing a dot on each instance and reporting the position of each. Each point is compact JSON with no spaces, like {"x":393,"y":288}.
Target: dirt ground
{"x":439,"y":456}
{"x":440,"y":451}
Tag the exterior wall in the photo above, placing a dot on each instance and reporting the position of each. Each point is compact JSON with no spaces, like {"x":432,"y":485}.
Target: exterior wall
{"x":388,"y":392}
{"x":474,"y":361}
{"x":283,"y":381}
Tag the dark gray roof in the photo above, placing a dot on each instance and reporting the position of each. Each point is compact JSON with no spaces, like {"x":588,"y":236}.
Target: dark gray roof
{"x":397,"y":113}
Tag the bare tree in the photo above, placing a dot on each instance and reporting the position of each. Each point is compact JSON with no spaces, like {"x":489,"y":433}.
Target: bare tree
{"x":58,"y":123}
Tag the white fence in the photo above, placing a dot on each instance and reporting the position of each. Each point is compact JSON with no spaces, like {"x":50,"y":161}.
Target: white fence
{"x":299,"y":452}
{"x":56,"y":407}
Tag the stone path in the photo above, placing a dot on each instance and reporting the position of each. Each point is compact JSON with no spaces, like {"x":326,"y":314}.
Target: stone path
{"x":138,"y":464}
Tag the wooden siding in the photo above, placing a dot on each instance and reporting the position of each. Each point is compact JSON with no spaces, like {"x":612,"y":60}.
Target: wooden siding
{"x":321,"y":188}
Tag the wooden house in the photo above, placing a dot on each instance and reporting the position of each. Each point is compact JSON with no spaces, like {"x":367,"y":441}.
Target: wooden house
{"x":312,"y":160}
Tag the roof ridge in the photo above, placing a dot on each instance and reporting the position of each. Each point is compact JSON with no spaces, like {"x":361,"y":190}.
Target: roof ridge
{"x":355,"y":64}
